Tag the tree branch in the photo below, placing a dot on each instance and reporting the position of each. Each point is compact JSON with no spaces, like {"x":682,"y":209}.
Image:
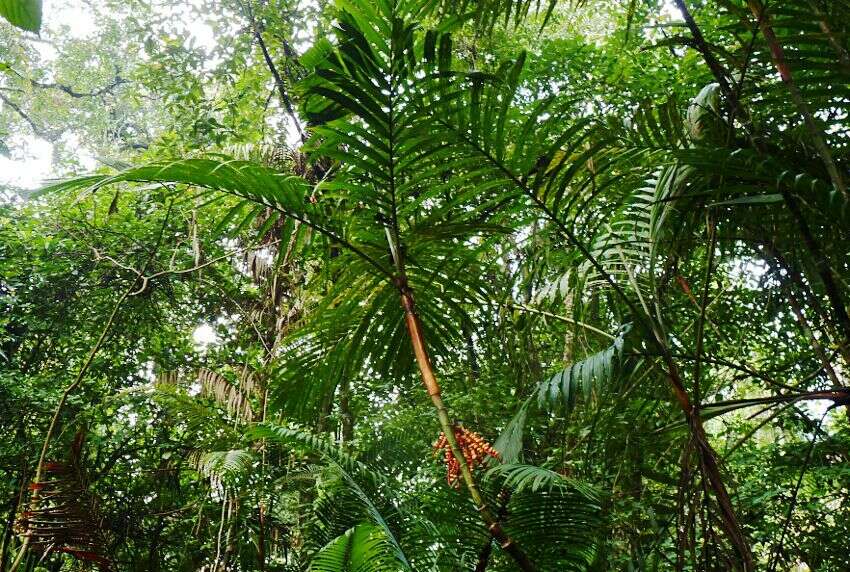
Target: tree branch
{"x":48,"y":134}
{"x":278,"y":80}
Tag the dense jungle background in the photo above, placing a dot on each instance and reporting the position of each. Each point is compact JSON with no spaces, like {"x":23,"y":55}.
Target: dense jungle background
{"x":352,"y":285}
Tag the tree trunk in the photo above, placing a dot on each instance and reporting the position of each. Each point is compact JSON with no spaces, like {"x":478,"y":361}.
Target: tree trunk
{"x":417,"y":339}
{"x":346,"y":418}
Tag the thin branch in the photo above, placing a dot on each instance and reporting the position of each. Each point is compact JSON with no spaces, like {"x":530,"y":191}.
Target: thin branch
{"x":565,"y":319}
{"x":838,"y":396}
{"x":278,"y":80}
{"x":146,"y":279}
{"x":116,"y":82}
{"x":701,"y":45}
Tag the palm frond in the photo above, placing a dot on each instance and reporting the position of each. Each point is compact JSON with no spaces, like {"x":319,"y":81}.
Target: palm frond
{"x":361,"y":548}
{"x":564,"y":528}
{"x":587,"y":377}
{"x":487,"y":14}
{"x":519,"y":477}
{"x":296,"y":437}
{"x":224,"y":468}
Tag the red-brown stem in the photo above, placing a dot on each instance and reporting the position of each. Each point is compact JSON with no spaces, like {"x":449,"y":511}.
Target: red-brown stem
{"x":420,"y":351}
{"x":781,"y":64}
{"x":710,"y":468}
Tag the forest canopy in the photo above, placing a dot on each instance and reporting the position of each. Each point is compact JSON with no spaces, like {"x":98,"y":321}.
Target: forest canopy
{"x":424,"y":285}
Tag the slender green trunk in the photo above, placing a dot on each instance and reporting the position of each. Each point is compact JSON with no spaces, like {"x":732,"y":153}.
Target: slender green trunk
{"x":420,"y":351}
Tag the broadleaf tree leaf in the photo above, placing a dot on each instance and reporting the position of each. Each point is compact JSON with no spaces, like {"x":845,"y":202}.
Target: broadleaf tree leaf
{"x":25,"y":14}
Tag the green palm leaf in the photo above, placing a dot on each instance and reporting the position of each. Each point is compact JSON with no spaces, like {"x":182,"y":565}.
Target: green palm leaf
{"x":586,"y":377}
{"x":362,"y":548}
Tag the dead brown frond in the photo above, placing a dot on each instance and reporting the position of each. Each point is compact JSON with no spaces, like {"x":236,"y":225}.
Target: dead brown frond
{"x":165,"y":379}
{"x":64,"y":517}
{"x":234,"y":399}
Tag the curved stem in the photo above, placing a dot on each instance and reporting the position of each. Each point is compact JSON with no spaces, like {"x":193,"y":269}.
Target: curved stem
{"x":39,"y":470}
{"x":793,"y":504}
{"x":417,"y":338}
{"x":712,"y":243}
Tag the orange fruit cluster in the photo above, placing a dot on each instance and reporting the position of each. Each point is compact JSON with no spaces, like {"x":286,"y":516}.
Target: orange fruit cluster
{"x":475,"y":451}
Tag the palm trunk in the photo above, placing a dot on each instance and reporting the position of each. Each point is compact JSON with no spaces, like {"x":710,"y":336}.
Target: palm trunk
{"x":346,"y":419}
{"x":261,"y":538}
{"x":222,"y":520}
{"x":817,"y":137}
{"x":781,"y":64}
{"x":706,"y":454}
{"x":417,"y":339}
{"x":230,"y":543}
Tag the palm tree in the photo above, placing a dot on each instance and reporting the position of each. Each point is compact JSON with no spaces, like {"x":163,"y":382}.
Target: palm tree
{"x":424,"y":165}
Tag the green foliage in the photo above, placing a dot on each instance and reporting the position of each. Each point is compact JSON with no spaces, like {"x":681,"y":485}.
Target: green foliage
{"x":586,"y":377}
{"x":359,"y":549}
{"x":612,"y":229}
{"x":25,"y":14}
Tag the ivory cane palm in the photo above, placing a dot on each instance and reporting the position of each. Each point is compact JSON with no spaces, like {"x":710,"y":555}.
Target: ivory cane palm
{"x":564,"y":154}
{"x":411,"y":136}
{"x":395,"y":180}
{"x":399,"y":225}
